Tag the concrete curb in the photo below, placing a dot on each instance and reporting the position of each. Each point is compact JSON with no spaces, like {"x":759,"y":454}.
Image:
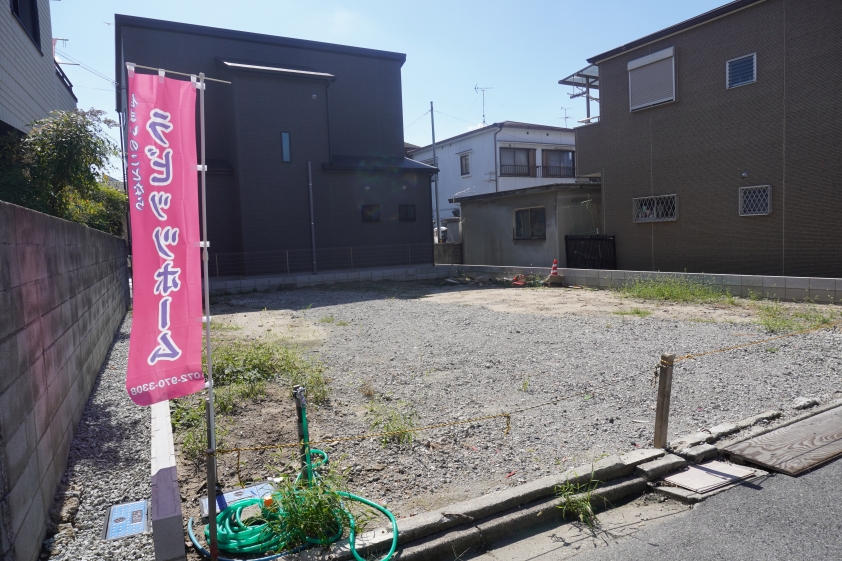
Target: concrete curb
{"x":165,"y":508}
{"x":501,"y":513}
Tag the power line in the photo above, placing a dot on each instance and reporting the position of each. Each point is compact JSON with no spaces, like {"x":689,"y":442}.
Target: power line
{"x":88,"y":68}
{"x":457,"y":118}
{"x":416,"y":120}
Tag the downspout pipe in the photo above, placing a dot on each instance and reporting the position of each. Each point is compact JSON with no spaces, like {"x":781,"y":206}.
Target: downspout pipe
{"x":496,"y":152}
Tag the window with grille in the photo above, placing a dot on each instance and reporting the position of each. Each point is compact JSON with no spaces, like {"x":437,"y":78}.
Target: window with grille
{"x":406,"y":213}
{"x":371,"y":213}
{"x":465,"y":164}
{"x":663,"y":208}
{"x":741,"y":71}
{"x":518,"y":162}
{"x":531,"y":224}
{"x":755,"y":201}
{"x":557,"y":163}
{"x":652,"y":80}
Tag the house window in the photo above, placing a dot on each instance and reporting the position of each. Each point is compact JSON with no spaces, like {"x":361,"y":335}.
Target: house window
{"x":756,"y":201}
{"x":26,"y":12}
{"x":465,"y":164}
{"x":663,"y":208}
{"x":557,"y":163}
{"x":518,"y":162}
{"x":371,"y":213}
{"x":741,"y":71}
{"x":406,"y":213}
{"x":652,"y":80}
{"x":531,"y":224}
{"x":285,"y":152}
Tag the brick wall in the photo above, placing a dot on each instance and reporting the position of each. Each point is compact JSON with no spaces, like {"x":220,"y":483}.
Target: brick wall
{"x":63,"y":293}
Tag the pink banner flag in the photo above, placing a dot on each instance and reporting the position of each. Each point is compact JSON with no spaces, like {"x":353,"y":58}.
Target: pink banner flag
{"x":165,"y":348}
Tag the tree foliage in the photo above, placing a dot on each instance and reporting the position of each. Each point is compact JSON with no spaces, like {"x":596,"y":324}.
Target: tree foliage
{"x":57,"y":168}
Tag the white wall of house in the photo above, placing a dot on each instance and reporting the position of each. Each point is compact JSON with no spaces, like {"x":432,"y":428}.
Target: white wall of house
{"x":480,"y":148}
{"x":29,"y":86}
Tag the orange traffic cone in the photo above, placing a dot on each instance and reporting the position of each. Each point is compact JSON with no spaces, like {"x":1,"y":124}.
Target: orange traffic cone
{"x":555,"y":268}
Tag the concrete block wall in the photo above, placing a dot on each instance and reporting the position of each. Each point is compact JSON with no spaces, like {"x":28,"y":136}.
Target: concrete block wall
{"x":821,"y":290}
{"x":63,"y":294}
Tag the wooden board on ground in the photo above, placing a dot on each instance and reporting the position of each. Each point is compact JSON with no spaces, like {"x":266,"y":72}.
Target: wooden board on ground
{"x":795,"y":448}
{"x":706,"y":477}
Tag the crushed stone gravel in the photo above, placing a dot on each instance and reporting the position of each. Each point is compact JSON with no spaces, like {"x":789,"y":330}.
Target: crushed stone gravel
{"x":108,"y":464}
{"x":453,"y":362}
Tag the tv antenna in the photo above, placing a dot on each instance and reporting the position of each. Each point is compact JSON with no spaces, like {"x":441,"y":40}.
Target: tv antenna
{"x":565,"y":116}
{"x":478,"y":90}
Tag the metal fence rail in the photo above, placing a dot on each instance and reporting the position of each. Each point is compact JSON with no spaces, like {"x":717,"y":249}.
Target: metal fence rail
{"x":289,"y":261}
{"x":591,"y":252}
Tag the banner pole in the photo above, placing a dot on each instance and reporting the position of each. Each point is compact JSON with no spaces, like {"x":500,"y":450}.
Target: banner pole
{"x":211,"y":420}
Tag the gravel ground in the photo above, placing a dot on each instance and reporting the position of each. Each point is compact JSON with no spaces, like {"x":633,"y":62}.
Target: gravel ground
{"x":452,"y":361}
{"x":108,"y":464}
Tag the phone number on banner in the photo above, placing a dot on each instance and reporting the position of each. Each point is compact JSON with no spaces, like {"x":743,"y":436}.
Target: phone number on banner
{"x":167,"y":382}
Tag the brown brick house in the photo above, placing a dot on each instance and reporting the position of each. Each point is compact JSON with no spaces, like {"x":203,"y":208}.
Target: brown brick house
{"x":719,"y":142}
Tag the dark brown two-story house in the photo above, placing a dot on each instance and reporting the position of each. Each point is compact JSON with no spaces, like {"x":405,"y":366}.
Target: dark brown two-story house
{"x":293,"y":105}
{"x":719,"y":142}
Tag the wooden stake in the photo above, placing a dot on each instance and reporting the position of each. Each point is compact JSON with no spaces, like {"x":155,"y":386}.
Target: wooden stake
{"x":662,"y":413}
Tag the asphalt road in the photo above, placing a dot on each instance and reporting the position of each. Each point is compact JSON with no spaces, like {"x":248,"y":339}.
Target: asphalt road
{"x":780,"y":517}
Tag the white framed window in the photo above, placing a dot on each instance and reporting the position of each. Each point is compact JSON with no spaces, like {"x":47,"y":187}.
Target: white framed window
{"x":756,"y":200}
{"x":652,"y":79}
{"x":661,"y":208}
{"x":465,"y":164}
{"x":741,"y":71}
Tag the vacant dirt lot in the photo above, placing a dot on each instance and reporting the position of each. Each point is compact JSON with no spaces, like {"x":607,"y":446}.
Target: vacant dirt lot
{"x":452,"y":353}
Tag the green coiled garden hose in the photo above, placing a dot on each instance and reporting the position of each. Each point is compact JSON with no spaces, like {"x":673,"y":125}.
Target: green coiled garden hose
{"x":256,"y":535}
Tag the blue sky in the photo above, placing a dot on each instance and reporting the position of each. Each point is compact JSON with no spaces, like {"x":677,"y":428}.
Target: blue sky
{"x":520,"y":50}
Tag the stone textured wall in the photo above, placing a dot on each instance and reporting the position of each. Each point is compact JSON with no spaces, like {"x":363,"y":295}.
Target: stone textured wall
{"x":63,"y":293}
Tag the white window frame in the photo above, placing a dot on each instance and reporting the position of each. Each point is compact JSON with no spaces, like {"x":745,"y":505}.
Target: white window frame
{"x":769,"y":200}
{"x":637,"y":220}
{"x":644,"y":61}
{"x":728,"y":86}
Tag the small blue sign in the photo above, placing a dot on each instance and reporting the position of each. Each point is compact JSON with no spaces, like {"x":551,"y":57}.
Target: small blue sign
{"x":126,"y":520}
{"x":226,"y":500}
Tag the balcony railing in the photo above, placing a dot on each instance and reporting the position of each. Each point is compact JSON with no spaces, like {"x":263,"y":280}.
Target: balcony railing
{"x":558,"y":171}
{"x":507,"y":170}
{"x":64,"y":79}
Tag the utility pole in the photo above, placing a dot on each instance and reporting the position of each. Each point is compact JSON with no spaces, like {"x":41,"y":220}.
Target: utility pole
{"x":479,"y":89}
{"x":436,"y":180}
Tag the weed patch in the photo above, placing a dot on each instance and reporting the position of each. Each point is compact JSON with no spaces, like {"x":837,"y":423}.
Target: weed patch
{"x":639,"y":312}
{"x":774,"y":317}
{"x":326,"y":319}
{"x":576,"y":499}
{"x":397,"y":418}
{"x":675,"y":289}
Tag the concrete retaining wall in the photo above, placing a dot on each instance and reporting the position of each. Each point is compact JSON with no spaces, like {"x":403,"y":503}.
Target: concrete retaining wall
{"x":63,"y":293}
{"x":823,"y":290}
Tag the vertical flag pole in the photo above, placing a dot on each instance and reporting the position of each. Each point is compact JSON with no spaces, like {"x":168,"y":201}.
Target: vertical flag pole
{"x":214,"y":547}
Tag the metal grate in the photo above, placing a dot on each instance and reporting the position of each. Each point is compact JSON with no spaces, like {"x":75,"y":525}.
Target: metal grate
{"x":755,"y":201}
{"x":663,"y":208}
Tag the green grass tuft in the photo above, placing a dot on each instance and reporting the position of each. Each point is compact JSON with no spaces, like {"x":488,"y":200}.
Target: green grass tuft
{"x":675,"y":289}
{"x":398,"y":417}
{"x":326,"y":319}
{"x":639,"y":312}
{"x":576,"y":499}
